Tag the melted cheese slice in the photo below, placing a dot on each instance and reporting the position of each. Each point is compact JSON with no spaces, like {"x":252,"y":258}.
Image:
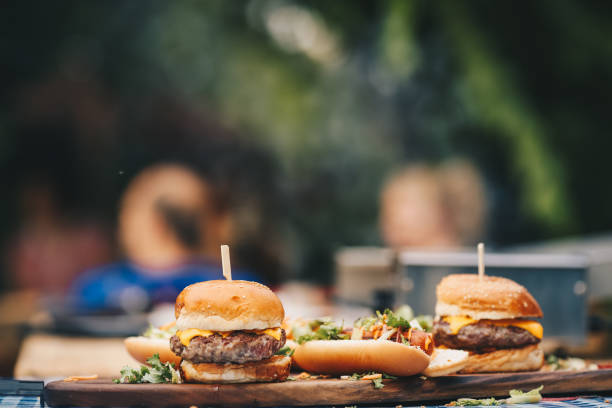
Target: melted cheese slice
{"x":457,"y":322}
{"x":186,"y":335}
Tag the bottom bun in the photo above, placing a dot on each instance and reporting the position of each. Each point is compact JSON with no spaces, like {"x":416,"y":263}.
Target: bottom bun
{"x":446,"y":361}
{"x":529,"y":358}
{"x":357,"y":356}
{"x":141,"y":348}
{"x":272,"y":369}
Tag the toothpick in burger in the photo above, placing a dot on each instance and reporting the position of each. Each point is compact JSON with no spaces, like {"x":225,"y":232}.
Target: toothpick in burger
{"x":491,"y":318}
{"x":228,"y":331}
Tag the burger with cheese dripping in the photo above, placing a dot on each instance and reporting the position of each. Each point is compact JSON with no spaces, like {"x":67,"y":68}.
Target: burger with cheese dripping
{"x":491,"y":318}
{"x":229,"y":332}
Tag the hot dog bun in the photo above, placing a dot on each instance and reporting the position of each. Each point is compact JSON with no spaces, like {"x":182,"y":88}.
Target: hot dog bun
{"x":357,"y":356}
{"x":141,"y":348}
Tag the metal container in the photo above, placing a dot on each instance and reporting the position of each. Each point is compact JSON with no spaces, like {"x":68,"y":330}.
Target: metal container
{"x":364,"y":274}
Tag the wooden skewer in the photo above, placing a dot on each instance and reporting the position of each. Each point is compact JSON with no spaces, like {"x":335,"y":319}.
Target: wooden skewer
{"x":225,"y":261}
{"x":480,"y":260}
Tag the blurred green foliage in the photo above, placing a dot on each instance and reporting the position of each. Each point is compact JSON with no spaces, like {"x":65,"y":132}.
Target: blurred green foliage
{"x":340,"y":93}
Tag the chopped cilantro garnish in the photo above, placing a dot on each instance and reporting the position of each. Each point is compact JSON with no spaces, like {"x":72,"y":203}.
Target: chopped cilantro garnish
{"x":158,"y":373}
{"x":322,"y":330}
{"x":285,"y":351}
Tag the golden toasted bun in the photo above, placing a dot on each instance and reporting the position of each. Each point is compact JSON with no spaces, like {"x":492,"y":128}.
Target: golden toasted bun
{"x":273,"y":369}
{"x":358,"y":356}
{"x":446,"y":361}
{"x":528,"y":358}
{"x":222,"y":305}
{"x":490,"y":298}
{"x":142,"y":348}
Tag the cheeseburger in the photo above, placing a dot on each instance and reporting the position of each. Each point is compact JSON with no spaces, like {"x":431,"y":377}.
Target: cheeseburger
{"x":229,"y":332}
{"x":491,"y":318}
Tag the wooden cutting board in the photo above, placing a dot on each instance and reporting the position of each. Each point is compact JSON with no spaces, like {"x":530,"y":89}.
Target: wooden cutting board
{"x":324,"y":391}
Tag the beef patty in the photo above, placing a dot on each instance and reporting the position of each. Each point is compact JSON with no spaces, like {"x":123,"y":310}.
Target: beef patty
{"x":239,"y":347}
{"x":482,"y":336}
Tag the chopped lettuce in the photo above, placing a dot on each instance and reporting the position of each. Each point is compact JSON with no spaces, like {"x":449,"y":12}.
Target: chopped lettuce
{"x":155,"y":333}
{"x":320,"y":329}
{"x":402,"y":318}
{"x":378,"y":383}
{"x":365,"y":322}
{"x":156,"y":374}
{"x":516,"y":397}
{"x":520,"y":397}
{"x":394,"y":320}
{"x":414,"y":323}
{"x":300,"y":331}
{"x":285,"y":351}
{"x":426,"y":322}
{"x":405,"y":312}
{"x":555,"y":363}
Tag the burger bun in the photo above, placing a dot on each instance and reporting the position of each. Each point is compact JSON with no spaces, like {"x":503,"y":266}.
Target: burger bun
{"x":222,"y":305}
{"x":491,"y":297}
{"x":527,"y":358}
{"x":446,"y":361}
{"x":272,"y":369}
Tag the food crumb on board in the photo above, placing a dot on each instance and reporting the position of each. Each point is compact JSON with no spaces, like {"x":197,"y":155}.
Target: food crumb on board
{"x":302,"y":376}
{"x":80,"y":378}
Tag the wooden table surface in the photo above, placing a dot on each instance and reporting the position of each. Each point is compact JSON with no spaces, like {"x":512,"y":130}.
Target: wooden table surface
{"x":51,"y":356}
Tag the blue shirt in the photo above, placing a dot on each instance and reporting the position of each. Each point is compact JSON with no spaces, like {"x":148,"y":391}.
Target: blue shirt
{"x":129,"y":287}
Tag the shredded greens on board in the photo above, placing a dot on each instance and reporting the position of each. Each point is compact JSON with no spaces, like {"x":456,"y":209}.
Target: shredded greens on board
{"x":158,"y":373}
{"x":520,"y":397}
{"x":375,"y":377}
{"x":516,"y":397}
{"x":554,"y":363}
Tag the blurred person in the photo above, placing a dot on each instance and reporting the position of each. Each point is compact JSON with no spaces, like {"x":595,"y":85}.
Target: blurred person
{"x":80,"y":137}
{"x":169,"y":214}
{"x":465,"y":196}
{"x":171,"y":226}
{"x":433,"y":206}
{"x":49,"y":249}
{"x":55,"y":224}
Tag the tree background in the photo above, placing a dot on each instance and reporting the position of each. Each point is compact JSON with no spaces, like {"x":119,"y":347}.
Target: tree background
{"x":306,"y":106}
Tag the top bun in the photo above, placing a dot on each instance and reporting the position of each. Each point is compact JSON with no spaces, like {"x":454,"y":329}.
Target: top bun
{"x":222,"y":305}
{"x":490,"y":298}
